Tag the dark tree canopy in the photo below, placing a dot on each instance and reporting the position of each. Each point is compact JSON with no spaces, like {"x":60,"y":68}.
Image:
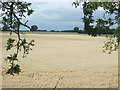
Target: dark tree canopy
{"x":33,"y":28}
{"x":76,"y":29}
{"x":90,"y":7}
{"x":111,"y":8}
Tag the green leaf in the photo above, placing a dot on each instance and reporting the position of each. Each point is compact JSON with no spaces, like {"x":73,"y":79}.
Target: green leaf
{"x":12,"y":57}
{"x":10,"y":42}
{"x":14,"y":70}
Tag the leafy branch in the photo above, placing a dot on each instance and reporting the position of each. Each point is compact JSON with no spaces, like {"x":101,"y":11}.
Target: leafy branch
{"x":92,"y":29}
{"x":110,"y":45}
{"x":13,"y":12}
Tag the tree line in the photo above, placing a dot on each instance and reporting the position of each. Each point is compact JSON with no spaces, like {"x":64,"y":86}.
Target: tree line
{"x":76,"y":30}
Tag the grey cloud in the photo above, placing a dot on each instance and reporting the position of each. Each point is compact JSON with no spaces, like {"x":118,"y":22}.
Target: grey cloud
{"x":57,"y":16}
{"x":61,"y":16}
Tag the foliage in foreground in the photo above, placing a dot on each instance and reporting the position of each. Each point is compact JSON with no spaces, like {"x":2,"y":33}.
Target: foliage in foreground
{"x":111,"y":17}
{"x":13,"y":12}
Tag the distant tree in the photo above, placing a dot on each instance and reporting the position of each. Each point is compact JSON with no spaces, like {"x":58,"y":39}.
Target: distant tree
{"x":67,"y":31}
{"x":57,"y":31}
{"x":76,"y":29}
{"x":80,"y":32}
{"x":42,"y":30}
{"x":52,"y":31}
{"x":33,"y":28}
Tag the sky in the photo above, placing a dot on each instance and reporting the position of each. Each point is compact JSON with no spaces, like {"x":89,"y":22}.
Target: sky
{"x":57,"y":16}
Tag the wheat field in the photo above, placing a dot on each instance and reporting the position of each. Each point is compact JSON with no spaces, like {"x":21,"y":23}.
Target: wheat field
{"x":72,"y":60}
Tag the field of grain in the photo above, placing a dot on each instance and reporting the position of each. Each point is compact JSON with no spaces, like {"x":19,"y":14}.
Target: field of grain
{"x":72,"y":60}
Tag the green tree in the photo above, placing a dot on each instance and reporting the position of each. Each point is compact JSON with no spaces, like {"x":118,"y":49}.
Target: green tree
{"x":13,"y":13}
{"x":111,"y":8}
{"x":33,"y":28}
{"x":76,"y":29}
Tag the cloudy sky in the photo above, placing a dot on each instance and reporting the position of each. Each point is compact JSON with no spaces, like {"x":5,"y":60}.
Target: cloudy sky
{"x":57,"y":16}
